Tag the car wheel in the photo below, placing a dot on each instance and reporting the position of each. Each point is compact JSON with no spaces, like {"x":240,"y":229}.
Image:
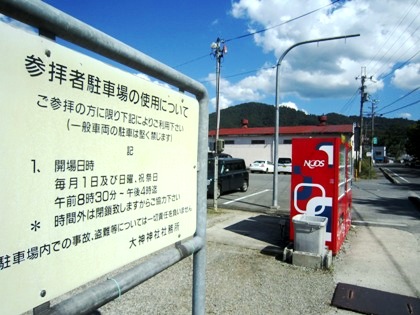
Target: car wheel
{"x":244,"y":186}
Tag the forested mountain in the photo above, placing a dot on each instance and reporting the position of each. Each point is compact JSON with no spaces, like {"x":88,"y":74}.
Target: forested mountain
{"x":391,"y":132}
{"x":263,"y":115}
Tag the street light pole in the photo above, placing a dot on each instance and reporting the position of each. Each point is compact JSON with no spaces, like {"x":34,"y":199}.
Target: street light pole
{"x":277,"y":104}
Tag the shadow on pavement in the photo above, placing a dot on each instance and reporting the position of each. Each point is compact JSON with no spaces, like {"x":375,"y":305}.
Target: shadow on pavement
{"x":273,"y":230}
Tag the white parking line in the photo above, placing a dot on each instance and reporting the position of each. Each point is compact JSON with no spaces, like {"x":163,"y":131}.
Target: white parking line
{"x":356,"y":222}
{"x":235,"y":200}
{"x":396,"y":175}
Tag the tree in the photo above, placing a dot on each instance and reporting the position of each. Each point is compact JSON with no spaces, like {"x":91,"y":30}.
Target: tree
{"x":395,"y":139}
{"x":413,"y":145}
{"x":390,"y":132}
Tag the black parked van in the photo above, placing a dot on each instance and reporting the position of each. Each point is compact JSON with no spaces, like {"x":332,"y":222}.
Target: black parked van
{"x":232,"y":176}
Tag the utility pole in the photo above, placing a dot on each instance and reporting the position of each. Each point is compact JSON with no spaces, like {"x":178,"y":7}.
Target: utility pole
{"x":372,"y":139}
{"x":219,"y":49}
{"x":363,"y":99}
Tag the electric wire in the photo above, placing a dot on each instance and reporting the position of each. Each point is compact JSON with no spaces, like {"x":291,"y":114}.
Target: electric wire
{"x":397,"y":109}
{"x":384,"y":64}
{"x":382,"y":76}
{"x":285,"y":22}
{"x":347,"y":106}
{"x":240,"y":74}
{"x":261,"y":31}
{"x":402,"y":65}
{"x":251,"y":71}
{"x":193,"y":60}
{"x":389,"y":37}
{"x":399,"y":99}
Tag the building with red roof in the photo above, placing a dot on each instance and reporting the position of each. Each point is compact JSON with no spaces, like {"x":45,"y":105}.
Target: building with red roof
{"x":258,"y":143}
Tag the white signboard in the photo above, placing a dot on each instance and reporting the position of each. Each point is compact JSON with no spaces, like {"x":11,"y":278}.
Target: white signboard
{"x":98,"y":169}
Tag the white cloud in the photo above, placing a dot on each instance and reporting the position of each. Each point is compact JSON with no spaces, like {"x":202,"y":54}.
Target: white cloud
{"x":223,"y":102}
{"x":157,"y":82}
{"x":248,"y":90}
{"x":293,"y":106}
{"x":406,"y":115}
{"x":408,"y":77}
{"x":328,"y":69}
{"x":289,"y":105}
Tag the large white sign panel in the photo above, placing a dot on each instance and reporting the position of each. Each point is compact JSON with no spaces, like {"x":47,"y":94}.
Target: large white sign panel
{"x":98,"y":169}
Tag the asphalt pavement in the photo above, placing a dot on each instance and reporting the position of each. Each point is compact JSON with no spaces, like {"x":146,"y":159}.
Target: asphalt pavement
{"x":381,"y":251}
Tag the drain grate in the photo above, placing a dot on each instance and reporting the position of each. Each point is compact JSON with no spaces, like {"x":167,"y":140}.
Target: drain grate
{"x":371,"y":301}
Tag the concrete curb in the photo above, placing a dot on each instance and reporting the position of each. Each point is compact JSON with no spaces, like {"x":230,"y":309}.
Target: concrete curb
{"x":388,"y":176}
{"x":414,"y":198}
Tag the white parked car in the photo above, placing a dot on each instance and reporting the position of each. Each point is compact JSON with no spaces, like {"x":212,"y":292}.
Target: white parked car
{"x":284,"y":165}
{"x":262,"y":166}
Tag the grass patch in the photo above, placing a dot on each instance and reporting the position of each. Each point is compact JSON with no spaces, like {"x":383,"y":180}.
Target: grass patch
{"x":368,"y":171}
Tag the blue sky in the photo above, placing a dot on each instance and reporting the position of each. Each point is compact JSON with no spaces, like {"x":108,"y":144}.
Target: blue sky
{"x":316,"y":78}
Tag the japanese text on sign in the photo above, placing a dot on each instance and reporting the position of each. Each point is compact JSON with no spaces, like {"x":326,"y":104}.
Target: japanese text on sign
{"x":99,"y":169}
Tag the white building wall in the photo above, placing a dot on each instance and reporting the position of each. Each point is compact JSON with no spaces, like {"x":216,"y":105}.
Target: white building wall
{"x":252,"y":152}
{"x":242,"y":147}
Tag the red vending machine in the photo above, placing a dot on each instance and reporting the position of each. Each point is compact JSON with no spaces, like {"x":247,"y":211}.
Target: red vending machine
{"x":321,"y":185}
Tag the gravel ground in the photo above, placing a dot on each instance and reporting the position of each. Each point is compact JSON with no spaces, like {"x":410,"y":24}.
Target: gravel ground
{"x":238,"y":281}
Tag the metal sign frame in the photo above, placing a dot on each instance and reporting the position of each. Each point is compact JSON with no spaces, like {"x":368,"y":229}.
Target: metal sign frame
{"x":53,"y":22}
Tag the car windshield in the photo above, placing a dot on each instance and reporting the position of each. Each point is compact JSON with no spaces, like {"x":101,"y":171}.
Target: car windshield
{"x":285,"y":161}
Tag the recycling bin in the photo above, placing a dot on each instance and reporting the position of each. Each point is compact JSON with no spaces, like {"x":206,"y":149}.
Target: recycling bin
{"x":309,"y":233}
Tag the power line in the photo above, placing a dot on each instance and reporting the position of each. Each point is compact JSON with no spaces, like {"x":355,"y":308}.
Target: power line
{"x":288,"y":21}
{"x":402,"y":65}
{"x":261,"y":31}
{"x":399,"y":99}
{"x":401,"y":45}
{"x":411,"y":104}
{"x":241,"y":73}
{"x":347,"y":105}
{"x":187,"y":62}
{"x":390,"y":35}
{"x":404,"y":16}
